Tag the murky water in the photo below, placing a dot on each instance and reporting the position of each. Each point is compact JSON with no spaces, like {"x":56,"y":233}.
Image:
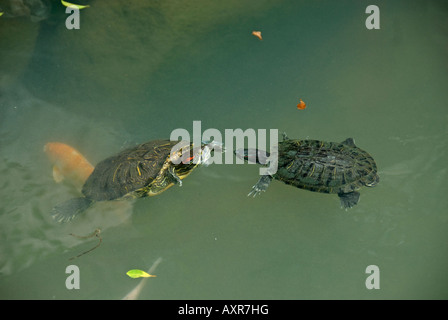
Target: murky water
{"x":134,"y":72}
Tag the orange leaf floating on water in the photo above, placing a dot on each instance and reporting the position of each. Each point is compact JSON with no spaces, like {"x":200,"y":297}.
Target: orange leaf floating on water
{"x":301,"y":105}
{"x":257,"y":34}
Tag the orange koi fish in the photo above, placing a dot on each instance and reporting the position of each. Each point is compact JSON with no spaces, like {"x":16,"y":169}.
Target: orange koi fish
{"x":68,"y":163}
{"x":301,"y":105}
{"x":257,"y":34}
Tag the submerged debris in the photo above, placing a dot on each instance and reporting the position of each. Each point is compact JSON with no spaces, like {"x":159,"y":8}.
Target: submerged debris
{"x":95,"y":233}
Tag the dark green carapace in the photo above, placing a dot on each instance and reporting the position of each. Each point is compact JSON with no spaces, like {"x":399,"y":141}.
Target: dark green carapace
{"x":144,"y":170}
{"x":329,"y":167}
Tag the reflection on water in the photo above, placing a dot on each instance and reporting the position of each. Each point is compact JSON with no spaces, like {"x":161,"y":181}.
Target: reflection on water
{"x":135,"y":72}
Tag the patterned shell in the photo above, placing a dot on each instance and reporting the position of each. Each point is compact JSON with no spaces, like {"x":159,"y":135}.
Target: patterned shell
{"x":328,"y":167}
{"x":128,"y":171}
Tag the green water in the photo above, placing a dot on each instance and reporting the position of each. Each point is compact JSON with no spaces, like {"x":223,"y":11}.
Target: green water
{"x":134,"y":73}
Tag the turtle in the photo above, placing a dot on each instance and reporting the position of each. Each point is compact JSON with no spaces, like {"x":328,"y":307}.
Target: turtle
{"x":144,"y":170}
{"x":329,"y":167}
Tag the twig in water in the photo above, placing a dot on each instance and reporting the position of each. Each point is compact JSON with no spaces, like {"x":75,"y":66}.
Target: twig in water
{"x":95,"y":233}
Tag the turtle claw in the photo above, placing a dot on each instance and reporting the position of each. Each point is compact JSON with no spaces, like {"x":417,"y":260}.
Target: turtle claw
{"x":66,"y":211}
{"x":261,"y":185}
{"x":254,"y":192}
{"x":177,"y":181}
{"x":349,"y":200}
{"x":176,"y":178}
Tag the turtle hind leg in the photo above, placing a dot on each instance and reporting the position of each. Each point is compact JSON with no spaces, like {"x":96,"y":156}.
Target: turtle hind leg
{"x":349,"y":200}
{"x":69,"y":209}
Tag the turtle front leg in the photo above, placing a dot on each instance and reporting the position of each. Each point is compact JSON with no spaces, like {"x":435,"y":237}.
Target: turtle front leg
{"x":261,"y":185}
{"x":173,"y":174}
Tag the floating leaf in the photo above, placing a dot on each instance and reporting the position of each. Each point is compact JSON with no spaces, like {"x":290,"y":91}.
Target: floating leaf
{"x":73,"y":6}
{"x":257,"y":34}
{"x":301,"y":105}
{"x":136,"y":273}
{"x":1,"y":13}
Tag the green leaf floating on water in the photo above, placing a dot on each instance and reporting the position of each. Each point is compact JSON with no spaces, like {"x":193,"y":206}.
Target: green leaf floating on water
{"x":73,"y":6}
{"x":136,"y":273}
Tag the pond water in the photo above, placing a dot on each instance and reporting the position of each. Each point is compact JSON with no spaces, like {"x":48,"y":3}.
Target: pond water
{"x":135,"y":71}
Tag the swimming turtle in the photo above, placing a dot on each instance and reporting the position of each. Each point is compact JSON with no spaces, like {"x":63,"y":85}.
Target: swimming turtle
{"x":329,"y":167}
{"x":145,"y":170}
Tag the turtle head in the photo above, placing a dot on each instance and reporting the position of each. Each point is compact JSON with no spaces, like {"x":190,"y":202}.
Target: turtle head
{"x":203,"y":155}
{"x":184,"y":152}
{"x":205,"y":152}
{"x":253,"y":155}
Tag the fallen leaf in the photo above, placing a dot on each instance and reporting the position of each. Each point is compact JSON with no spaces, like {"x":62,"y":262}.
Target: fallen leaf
{"x":73,"y":6}
{"x":257,"y":34}
{"x":136,"y":273}
{"x":301,"y":105}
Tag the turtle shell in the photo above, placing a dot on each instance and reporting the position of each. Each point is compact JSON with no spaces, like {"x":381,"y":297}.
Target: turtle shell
{"x":129,"y":171}
{"x":328,"y":167}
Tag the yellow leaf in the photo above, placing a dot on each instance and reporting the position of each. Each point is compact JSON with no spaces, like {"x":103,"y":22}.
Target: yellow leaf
{"x":73,"y":6}
{"x":1,"y":13}
{"x":136,"y":273}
